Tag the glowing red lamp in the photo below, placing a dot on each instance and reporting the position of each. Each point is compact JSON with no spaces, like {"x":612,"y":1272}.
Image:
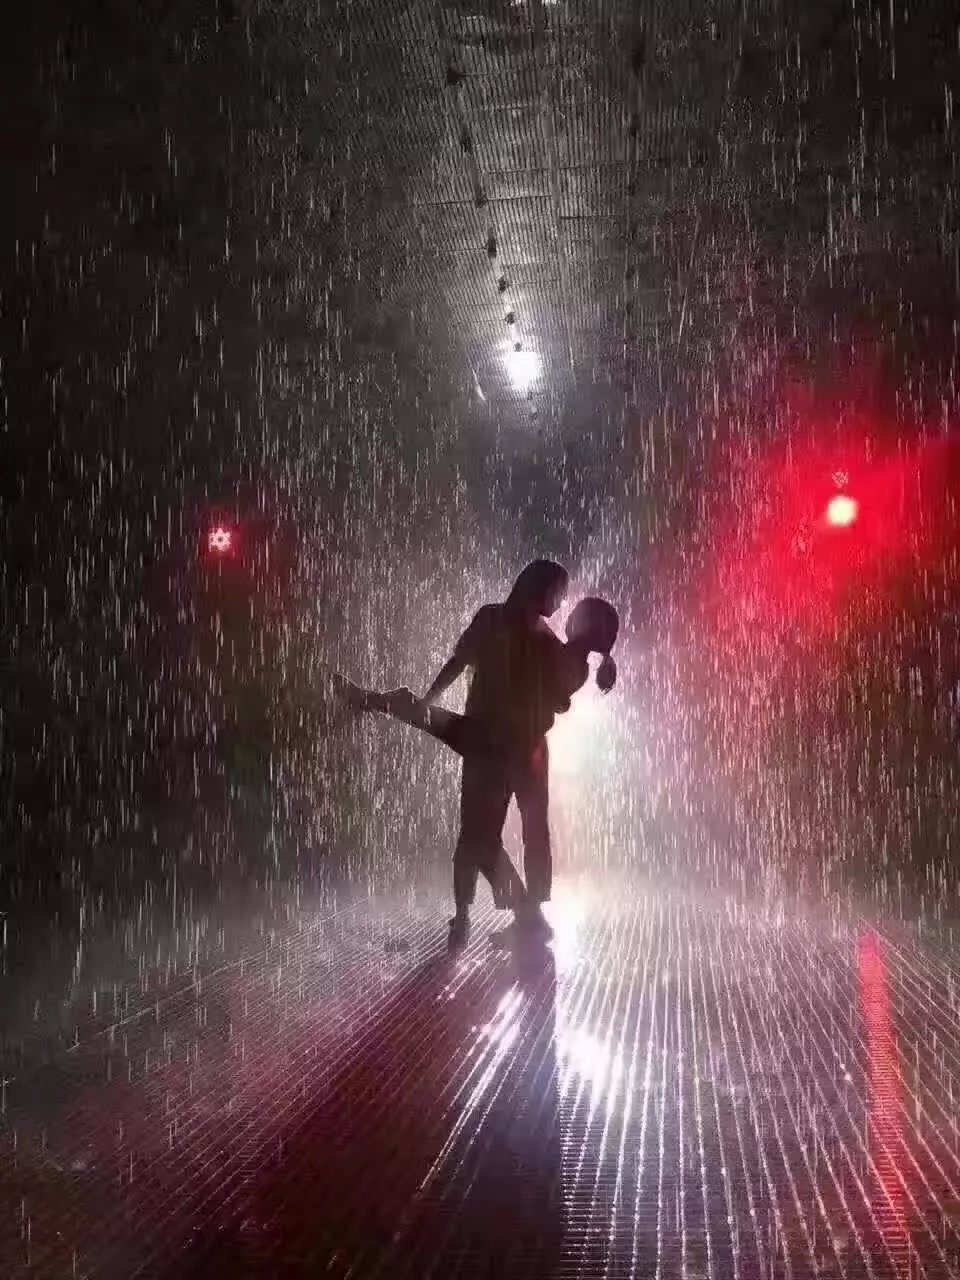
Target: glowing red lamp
{"x":842,"y":511}
{"x":220,"y":539}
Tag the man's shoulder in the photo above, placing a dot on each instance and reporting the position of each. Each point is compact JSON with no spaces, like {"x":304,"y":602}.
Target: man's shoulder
{"x":547,"y":636}
{"x":484,"y":624}
{"x":488,"y":615}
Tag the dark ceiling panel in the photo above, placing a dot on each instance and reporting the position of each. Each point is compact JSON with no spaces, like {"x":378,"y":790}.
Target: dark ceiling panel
{"x":591,"y":129}
{"x":518,"y":184}
{"x":611,"y":168}
{"x":459,"y":227}
{"x":593,"y":192}
{"x":517,"y":88}
{"x":524,"y":220}
{"x":544,"y":275}
{"x":508,"y":138}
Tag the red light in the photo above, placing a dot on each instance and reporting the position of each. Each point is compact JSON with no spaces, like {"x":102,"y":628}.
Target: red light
{"x":220,"y":540}
{"x":842,"y":511}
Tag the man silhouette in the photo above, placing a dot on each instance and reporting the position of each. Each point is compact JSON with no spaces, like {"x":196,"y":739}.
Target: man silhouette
{"x":505,"y":645}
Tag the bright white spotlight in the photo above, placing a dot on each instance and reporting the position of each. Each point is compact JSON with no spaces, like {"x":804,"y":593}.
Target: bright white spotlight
{"x":580,"y":738}
{"x":523,"y":368}
{"x":842,"y":511}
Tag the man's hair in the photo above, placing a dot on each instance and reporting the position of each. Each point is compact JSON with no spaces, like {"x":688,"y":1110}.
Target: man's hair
{"x":536,"y":584}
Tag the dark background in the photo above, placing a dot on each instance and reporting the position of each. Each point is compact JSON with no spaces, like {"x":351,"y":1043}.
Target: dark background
{"x":246,"y":276}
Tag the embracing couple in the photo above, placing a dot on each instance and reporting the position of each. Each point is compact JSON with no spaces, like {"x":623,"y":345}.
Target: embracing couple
{"x":523,"y":676}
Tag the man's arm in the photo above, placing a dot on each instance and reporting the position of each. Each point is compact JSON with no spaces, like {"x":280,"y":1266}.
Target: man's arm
{"x":450,"y":671}
{"x":462,"y":657}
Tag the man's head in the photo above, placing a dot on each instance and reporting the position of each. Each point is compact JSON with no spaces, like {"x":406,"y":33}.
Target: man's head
{"x":540,"y":588}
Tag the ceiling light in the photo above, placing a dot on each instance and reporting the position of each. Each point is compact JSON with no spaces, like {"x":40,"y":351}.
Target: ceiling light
{"x":842,"y":511}
{"x":523,"y":368}
{"x":220,"y":539}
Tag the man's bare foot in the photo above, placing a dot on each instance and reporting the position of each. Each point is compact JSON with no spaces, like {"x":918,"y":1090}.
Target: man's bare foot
{"x":530,"y":921}
{"x":459,"y":932}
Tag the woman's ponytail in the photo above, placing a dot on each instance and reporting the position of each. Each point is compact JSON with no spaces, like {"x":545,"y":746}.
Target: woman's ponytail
{"x":593,"y":627}
{"x":606,"y":674}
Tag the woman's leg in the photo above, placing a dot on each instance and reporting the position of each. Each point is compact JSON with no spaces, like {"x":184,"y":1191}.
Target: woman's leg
{"x":461,"y":734}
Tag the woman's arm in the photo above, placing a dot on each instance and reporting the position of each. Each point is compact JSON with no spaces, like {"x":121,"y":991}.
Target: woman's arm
{"x":570,"y":674}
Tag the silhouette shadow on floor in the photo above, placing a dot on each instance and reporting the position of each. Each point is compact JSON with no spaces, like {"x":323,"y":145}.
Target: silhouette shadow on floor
{"x":434,"y":1148}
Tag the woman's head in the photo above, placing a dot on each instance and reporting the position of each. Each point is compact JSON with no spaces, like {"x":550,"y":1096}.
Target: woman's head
{"x":594,"y":624}
{"x":540,"y":588}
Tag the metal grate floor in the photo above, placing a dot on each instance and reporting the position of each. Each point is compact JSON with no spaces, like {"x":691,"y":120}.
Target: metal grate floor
{"x":670,"y":1089}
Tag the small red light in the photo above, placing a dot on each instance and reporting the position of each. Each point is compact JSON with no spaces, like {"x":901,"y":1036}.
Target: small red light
{"x":220,"y":540}
{"x":842,"y":511}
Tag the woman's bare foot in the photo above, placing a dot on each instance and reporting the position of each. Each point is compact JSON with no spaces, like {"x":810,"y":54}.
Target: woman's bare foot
{"x":347,"y":693}
{"x":388,"y":703}
{"x":358,"y":699}
{"x":399,"y":702}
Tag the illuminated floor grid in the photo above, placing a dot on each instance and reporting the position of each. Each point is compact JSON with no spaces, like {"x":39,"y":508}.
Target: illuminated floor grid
{"x":668,"y":1091}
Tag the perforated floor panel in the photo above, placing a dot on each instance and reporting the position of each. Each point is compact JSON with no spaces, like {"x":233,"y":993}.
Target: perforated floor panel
{"x":668,"y":1089}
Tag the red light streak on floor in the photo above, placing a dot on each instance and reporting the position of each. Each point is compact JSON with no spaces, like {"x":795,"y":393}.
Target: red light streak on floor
{"x":885,"y":1139}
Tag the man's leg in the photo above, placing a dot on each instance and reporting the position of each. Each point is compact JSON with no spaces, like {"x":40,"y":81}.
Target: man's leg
{"x":484,"y":799}
{"x":509,"y":891}
{"x":533,"y":799}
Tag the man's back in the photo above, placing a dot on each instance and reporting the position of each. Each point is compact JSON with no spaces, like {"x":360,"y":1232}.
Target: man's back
{"x":513,"y":688}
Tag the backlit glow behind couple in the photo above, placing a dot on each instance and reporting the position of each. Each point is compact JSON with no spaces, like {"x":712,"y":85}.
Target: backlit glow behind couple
{"x":522,"y":676}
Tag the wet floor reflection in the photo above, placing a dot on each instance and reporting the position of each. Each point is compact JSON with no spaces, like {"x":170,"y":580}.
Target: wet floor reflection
{"x":884,"y":1130}
{"x":669,"y":1089}
{"x":492,"y":1202}
{"x":434,"y":1148}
